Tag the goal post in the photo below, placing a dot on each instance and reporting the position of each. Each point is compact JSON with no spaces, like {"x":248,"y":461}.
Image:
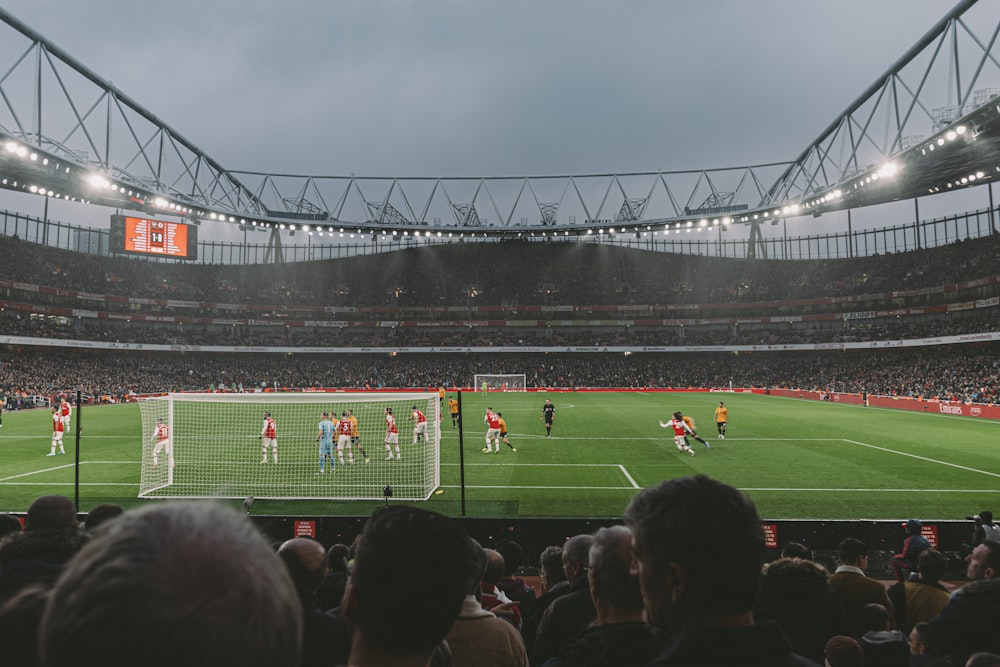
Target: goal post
{"x":500,"y":382}
{"x":216,"y":449}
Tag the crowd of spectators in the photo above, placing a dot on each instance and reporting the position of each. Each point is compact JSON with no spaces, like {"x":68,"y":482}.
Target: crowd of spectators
{"x":681,"y":581}
{"x":964,"y":373}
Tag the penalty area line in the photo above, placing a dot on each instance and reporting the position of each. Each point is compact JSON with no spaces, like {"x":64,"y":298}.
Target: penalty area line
{"x":628,"y":477}
{"x":37,"y":472}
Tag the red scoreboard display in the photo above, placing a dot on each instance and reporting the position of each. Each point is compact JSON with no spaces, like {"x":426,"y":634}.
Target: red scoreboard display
{"x":143,"y":236}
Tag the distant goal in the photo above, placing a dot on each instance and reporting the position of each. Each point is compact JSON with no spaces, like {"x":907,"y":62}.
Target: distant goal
{"x":501,"y":382}
{"x":215,"y":447}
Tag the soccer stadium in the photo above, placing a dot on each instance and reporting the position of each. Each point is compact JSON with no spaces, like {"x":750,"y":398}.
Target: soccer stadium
{"x":845,"y":380}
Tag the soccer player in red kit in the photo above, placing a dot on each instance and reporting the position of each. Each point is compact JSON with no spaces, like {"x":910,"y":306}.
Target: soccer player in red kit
{"x":419,"y":426}
{"x":58,"y":428}
{"x":65,"y":410}
{"x":391,"y":435}
{"x":680,"y":430}
{"x":269,"y":438}
{"x":162,"y":438}
{"x":344,"y":427}
{"x":492,"y":420}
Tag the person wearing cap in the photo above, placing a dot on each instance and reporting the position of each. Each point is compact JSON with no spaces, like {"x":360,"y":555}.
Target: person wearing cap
{"x":914,"y":544}
{"x":985,"y":529}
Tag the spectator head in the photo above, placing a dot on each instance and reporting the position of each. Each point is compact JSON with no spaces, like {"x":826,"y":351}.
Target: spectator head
{"x":931,"y":565}
{"x":918,"y":638}
{"x":854,"y":552}
{"x":796,"y":550}
{"x":576,"y":557}
{"x":843,"y":651}
{"x":494,"y":566}
{"x":613,"y":584}
{"x":550,"y":567}
{"x":100,"y":514}
{"x":983,"y":659}
{"x":513,"y":555}
{"x":986,"y":516}
{"x":405,"y":548}
{"x":337,"y":557}
{"x":306,"y":562}
{"x":20,"y":617}
{"x":51,"y":513}
{"x":475,"y":579}
{"x":984,"y":561}
{"x":9,"y":524}
{"x":699,"y":548}
{"x":874,"y":618}
{"x":190,"y":572}
{"x":913,"y":527}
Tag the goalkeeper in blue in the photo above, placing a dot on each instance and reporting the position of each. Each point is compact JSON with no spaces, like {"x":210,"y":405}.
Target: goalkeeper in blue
{"x":325,"y":439}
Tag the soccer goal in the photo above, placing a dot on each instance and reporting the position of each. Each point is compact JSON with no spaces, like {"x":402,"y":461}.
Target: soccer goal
{"x":501,"y":382}
{"x":215,"y":447}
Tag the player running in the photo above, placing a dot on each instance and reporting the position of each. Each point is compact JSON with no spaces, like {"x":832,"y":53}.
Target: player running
{"x":324,"y":436}
{"x":548,"y":414}
{"x":492,"y":421}
{"x":503,"y":432}
{"x":680,"y":430}
{"x":58,"y":428}
{"x":721,"y":419}
{"x":391,"y":435}
{"x":356,"y":436}
{"x":344,"y":439}
{"x":269,"y":438}
{"x":419,"y":425}
{"x":689,"y":421}
{"x":162,"y":437}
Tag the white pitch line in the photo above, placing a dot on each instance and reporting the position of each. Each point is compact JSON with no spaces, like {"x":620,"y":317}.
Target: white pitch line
{"x":546,"y":488}
{"x":797,"y":490}
{"x":133,"y":484}
{"x":924,"y":458}
{"x":628,"y":477}
{"x":37,"y":472}
{"x":540,"y":465}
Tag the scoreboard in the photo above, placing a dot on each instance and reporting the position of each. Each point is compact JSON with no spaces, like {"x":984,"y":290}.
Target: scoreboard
{"x":144,"y":236}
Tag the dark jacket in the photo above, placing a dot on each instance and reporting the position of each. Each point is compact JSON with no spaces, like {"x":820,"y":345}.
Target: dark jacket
{"x":795,"y":594}
{"x":565,"y":618}
{"x":760,"y":645}
{"x":36,"y":557}
{"x":885,"y":648}
{"x":609,"y":645}
{"x":969,"y":624}
{"x":529,"y":624}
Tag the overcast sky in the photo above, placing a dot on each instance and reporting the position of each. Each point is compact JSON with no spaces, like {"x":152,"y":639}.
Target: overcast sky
{"x":512,"y":87}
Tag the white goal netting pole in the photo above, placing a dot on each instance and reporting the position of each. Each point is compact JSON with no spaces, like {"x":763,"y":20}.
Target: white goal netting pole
{"x":500,"y":382}
{"x":216,"y":446}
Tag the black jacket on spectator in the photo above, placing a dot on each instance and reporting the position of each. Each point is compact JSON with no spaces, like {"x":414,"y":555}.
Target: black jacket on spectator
{"x":795,"y":593}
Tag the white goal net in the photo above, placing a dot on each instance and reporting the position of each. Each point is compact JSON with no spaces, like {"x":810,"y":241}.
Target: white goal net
{"x":216,"y":445}
{"x":500,"y":382}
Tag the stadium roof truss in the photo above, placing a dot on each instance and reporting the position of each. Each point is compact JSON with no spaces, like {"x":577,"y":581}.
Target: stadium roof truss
{"x":929,"y":124}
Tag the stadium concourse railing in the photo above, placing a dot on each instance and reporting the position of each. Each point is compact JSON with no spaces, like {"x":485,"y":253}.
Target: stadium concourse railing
{"x":909,"y":235}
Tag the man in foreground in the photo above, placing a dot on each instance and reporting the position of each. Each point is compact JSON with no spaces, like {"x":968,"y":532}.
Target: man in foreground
{"x":699,"y":548}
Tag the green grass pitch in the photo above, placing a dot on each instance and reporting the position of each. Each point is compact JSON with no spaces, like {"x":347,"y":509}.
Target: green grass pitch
{"x":795,"y":458}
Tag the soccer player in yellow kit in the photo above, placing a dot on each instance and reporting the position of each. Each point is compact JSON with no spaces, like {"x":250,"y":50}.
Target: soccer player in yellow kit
{"x":721,"y":418}
{"x":694,"y":434}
